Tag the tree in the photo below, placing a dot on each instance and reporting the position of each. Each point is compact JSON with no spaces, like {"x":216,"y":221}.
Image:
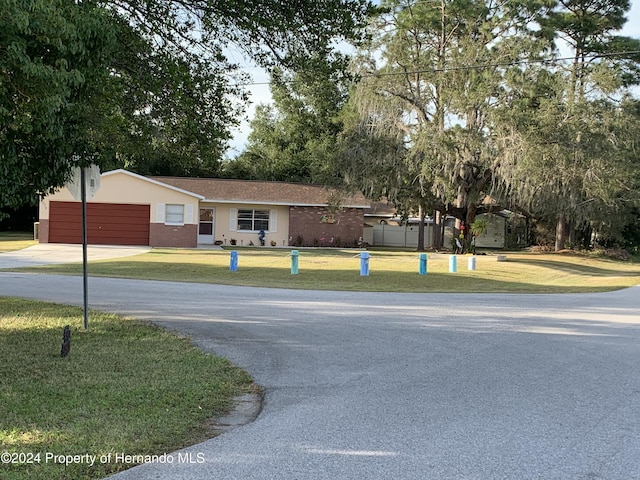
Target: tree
{"x":139,"y":84}
{"x":591,"y":183}
{"x":292,"y":139}
{"x":433,"y":78}
{"x":170,"y":109}
{"x":471,"y":90}
{"x":52,"y":71}
{"x":573,"y":137}
{"x":587,"y":27}
{"x":375,"y":161}
{"x":182,"y":91}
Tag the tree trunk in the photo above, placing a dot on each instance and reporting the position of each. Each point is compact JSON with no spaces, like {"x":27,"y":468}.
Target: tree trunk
{"x":438,"y":229}
{"x":421,"y":229}
{"x":461,"y":204}
{"x":586,"y":237}
{"x":470,"y":218}
{"x":562,"y":232}
{"x":572,"y":234}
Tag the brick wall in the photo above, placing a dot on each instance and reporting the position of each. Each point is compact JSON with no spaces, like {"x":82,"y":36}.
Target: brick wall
{"x":161,"y":235}
{"x":311,"y":225}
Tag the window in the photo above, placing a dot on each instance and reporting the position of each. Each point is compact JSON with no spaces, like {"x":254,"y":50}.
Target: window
{"x":174,"y":215}
{"x":254,"y":220}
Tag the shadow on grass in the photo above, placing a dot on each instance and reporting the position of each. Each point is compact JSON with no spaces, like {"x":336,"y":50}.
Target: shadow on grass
{"x":576,"y":268}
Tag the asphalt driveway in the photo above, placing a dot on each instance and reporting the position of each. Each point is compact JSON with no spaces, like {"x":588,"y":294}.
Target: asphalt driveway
{"x":401,"y":386}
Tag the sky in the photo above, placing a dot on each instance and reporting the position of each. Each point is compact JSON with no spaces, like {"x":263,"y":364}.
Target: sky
{"x":259,"y":91}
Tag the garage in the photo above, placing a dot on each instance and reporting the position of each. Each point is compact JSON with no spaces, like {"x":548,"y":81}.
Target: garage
{"x":107,"y":223}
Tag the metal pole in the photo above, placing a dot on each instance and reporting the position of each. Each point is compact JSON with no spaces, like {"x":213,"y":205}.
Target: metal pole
{"x":83,"y":194}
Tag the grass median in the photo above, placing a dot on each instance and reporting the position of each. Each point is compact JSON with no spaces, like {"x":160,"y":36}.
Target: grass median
{"x":389,"y":270}
{"x":125,"y":388}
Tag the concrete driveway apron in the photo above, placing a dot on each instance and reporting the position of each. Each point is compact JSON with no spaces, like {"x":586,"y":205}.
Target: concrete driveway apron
{"x":401,"y":386}
{"x":56,"y":253}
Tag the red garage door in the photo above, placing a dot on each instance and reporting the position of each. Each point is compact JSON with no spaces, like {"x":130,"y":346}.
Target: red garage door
{"x":107,"y":223}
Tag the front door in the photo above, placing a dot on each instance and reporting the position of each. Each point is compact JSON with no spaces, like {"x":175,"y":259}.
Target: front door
{"x":205,"y":226}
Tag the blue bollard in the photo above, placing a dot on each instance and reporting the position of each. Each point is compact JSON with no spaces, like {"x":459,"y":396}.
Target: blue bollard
{"x":294,"y":262}
{"x":364,"y":264}
{"x":233,"y":262}
{"x":423,"y":264}
{"x":453,"y":264}
{"x":472,"y":263}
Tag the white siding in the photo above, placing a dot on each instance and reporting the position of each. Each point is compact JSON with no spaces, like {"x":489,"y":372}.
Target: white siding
{"x":233,"y":219}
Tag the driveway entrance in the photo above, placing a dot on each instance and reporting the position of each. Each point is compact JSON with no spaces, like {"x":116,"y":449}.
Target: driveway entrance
{"x":56,"y":253}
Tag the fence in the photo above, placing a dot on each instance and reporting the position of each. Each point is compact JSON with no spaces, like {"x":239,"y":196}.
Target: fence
{"x":401,"y":236}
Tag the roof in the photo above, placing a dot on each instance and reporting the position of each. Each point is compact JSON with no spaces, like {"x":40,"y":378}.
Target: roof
{"x":259,"y":192}
{"x":381,"y":209}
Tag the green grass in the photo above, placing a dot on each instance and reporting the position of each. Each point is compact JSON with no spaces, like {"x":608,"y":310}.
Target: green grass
{"x":390,"y":271}
{"x":10,"y":241}
{"x":126,"y":387}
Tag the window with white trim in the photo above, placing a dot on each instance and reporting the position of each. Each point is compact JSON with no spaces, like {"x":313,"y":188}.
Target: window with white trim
{"x":253,"y":220}
{"x":174,"y":214}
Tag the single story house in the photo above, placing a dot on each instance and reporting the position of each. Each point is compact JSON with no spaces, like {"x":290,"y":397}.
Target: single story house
{"x":131,"y":209}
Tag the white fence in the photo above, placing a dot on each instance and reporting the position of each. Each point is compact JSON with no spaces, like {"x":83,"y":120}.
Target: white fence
{"x":400,"y":236}
{"x":406,"y":236}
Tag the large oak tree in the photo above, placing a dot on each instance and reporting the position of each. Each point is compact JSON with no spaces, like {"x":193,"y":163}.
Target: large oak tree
{"x":432,"y":79}
{"x":483,"y":105}
{"x":146,"y":85}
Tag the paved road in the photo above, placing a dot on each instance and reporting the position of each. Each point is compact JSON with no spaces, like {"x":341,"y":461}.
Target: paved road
{"x":402,"y":386}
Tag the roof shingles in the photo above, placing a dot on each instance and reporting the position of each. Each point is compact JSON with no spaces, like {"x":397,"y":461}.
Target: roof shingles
{"x":250,"y":191}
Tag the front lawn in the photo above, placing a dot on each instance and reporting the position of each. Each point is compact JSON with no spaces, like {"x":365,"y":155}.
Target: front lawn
{"x":10,"y":241}
{"x":389,"y":271}
{"x":125,"y":387}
